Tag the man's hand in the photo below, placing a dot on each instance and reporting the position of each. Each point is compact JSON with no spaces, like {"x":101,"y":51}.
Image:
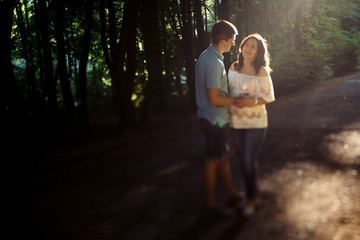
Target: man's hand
{"x":244,"y":96}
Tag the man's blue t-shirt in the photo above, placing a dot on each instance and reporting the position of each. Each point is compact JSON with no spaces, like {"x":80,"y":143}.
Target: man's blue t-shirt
{"x":210,"y":73}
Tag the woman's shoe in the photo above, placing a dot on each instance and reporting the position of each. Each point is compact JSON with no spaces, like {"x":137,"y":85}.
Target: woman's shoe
{"x":248,"y":211}
{"x":251,"y":205}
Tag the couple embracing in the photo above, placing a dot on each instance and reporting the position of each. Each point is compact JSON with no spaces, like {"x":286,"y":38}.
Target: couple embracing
{"x":231,"y":108}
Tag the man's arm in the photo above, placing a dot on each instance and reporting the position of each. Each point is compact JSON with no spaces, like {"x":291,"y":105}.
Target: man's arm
{"x":215,"y":99}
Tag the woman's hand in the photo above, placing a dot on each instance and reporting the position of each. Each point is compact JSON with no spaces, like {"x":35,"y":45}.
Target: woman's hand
{"x":244,"y":100}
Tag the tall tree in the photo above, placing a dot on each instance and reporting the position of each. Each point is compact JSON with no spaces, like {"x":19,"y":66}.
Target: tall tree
{"x":130,"y":36}
{"x":59,"y":10}
{"x":187,"y":45}
{"x":73,"y":54}
{"x":246,"y":11}
{"x":225,"y":15}
{"x":266,"y":20}
{"x":239,"y":20}
{"x":223,"y":10}
{"x":40,"y":58}
{"x":297,"y":27}
{"x":202,"y":40}
{"x":11,"y":100}
{"x":151,"y":35}
{"x":170,"y":43}
{"x":50,"y":82}
{"x":89,"y":7}
{"x":116,"y":55}
{"x":35,"y":104}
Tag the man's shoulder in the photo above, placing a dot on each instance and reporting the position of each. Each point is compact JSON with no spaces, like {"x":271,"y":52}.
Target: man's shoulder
{"x":207,"y":53}
{"x":209,"y":57}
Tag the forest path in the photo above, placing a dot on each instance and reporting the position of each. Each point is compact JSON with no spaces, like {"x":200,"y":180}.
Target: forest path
{"x":149,"y":184}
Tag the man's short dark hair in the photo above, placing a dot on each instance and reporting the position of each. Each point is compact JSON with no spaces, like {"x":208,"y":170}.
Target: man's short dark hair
{"x":222,"y":30}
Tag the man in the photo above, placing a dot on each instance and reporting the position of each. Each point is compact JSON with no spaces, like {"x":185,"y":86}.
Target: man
{"x":213,"y":101}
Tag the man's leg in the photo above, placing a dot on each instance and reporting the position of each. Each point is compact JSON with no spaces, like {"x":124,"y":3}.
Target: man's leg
{"x":210,"y":182}
{"x":225,"y":174}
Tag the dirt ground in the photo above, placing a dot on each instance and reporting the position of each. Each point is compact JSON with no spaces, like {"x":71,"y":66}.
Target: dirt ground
{"x":148,"y":183}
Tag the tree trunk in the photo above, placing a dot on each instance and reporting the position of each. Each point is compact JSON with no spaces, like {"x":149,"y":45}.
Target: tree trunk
{"x":131,"y":60}
{"x":224,"y":14}
{"x":154,"y":92}
{"x":285,"y":9}
{"x":297,"y":27}
{"x":50,"y":83}
{"x":59,"y":8}
{"x":84,"y":61}
{"x":206,"y":18}
{"x":246,"y":16}
{"x":216,"y":9}
{"x":103,"y":41}
{"x":239,"y":22}
{"x":73,"y":62}
{"x":202,"y":40}
{"x":38,"y":48}
{"x":224,"y":10}
{"x":122,"y":83}
{"x":125,"y":55}
{"x":12,"y":106}
{"x":35,"y":103}
{"x":187,"y":44}
{"x":114,"y":56}
{"x":314,"y":7}
{"x":266,"y":21}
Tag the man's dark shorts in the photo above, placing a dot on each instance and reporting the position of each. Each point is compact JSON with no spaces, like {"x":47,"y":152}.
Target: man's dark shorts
{"x":216,"y":139}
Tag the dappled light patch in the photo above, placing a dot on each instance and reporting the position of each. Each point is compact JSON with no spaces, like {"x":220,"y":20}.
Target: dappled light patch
{"x":321,"y":202}
{"x":344,"y":147}
{"x":317,"y":202}
{"x":320,"y":199}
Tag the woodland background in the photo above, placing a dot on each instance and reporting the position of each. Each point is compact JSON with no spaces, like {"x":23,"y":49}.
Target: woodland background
{"x":66,"y":61}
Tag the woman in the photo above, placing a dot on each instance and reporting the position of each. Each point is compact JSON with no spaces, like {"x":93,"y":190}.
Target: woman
{"x":249,"y":78}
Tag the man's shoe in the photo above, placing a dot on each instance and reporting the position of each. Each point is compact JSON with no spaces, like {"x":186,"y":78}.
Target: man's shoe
{"x":219,"y":212}
{"x":235,"y":202}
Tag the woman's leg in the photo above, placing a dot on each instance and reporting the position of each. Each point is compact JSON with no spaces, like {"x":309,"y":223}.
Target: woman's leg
{"x":246,"y":145}
{"x":252,"y":143}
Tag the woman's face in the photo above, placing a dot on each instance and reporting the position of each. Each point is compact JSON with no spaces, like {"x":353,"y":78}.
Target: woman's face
{"x":250,"y":49}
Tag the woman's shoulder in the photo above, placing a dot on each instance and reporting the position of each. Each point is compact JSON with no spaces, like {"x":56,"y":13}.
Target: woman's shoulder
{"x":263,"y":72}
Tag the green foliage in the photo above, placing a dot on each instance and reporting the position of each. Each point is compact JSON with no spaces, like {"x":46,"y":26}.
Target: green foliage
{"x":346,"y":58}
{"x":327,"y":48}
{"x":321,"y":36}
